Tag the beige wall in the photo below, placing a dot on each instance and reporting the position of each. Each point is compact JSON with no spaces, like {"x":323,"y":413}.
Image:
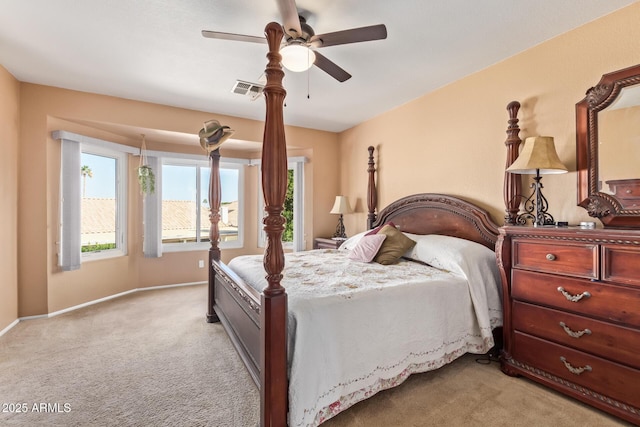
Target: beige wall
{"x":9,"y":139}
{"x":618,"y":145}
{"x":43,"y":287}
{"x":452,"y":140}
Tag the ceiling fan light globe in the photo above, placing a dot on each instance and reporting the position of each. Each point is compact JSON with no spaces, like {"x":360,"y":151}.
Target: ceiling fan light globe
{"x":297,"y":57}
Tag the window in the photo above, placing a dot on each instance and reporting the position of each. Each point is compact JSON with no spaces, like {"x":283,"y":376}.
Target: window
{"x":289,"y":208}
{"x":293,"y":234}
{"x":100,"y":219}
{"x":229,"y":206}
{"x":183,"y":203}
{"x":93,"y":199}
{"x":182,"y":207}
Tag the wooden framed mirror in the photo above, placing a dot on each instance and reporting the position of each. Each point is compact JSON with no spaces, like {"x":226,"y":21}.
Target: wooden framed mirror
{"x":608,"y":149}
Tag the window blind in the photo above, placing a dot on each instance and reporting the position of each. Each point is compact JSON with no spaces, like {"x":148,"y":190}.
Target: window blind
{"x":70,"y":227}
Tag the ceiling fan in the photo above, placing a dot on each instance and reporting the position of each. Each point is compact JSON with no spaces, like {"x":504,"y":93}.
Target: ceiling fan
{"x":300,"y":41}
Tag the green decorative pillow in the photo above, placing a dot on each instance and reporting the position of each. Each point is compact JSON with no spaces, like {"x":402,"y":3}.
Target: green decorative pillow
{"x":394,"y":246}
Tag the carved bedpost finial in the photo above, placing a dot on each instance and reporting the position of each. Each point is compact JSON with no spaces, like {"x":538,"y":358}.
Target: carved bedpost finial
{"x":512,"y":187}
{"x":274,"y":162}
{"x":372,"y":194}
{"x":273,"y":308}
{"x":513,"y":107}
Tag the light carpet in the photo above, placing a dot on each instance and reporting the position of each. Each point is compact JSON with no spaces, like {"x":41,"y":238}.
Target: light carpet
{"x":150,"y":359}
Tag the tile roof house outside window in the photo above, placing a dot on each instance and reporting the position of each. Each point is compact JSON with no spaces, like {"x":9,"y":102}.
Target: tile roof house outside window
{"x":178,"y":223}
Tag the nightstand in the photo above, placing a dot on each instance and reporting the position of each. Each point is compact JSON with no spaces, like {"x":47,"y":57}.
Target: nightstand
{"x":326,"y":243}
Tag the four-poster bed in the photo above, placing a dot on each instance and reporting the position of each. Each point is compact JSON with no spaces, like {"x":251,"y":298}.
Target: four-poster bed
{"x":257,"y":322}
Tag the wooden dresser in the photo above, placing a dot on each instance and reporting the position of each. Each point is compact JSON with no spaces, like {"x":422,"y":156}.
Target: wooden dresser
{"x":572,"y":312}
{"x":627,"y":192}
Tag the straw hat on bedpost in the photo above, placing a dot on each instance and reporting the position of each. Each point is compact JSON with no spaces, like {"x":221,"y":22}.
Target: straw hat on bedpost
{"x":213,"y":134}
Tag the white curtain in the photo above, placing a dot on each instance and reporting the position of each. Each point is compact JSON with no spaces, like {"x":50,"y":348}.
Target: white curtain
{"x":152,"y":213}
{"x":297,"y":164}
{"x":70,"y":207}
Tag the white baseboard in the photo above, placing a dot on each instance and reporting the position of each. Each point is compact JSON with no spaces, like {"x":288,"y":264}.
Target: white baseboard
{"x":86,"y":304}
{"x":5,"y":330}
{"x":153,"y":288}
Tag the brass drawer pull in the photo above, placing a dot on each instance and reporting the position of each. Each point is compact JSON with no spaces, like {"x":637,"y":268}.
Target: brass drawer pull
{"x":576,"y":371}
{"x":573,"y":298}
{"x":574,"y":334}
{"x":551,"y":257}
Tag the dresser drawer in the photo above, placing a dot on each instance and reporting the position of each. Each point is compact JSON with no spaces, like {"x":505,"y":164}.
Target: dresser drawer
{"x":606,"y":302}
{"x":578,"y":260}
{"x":621,"y":264}
{"x":627,"y":191}
{"x":603,"y":339}
{"x":609,"y":378}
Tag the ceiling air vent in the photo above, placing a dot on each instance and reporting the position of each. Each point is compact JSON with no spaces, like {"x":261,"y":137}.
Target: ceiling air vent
{"x":254,"y":90}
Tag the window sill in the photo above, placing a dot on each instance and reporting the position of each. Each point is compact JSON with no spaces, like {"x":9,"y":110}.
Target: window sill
{"x":100,"y":255}
{"x":185,"y":247}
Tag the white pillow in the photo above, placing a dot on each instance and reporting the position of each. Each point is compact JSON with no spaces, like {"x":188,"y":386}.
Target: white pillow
{"x":449,"y":253}
{"x":476,"y":262}
{"x":367,"y":248}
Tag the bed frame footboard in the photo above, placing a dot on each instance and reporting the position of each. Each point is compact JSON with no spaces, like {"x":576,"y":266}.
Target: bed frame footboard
{"x":237,"y":305}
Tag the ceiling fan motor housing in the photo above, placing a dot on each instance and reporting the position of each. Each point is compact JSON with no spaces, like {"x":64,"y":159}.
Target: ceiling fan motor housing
{"x":307,"y":32}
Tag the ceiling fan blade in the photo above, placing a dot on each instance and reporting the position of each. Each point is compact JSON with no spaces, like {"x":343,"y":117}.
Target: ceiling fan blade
{"x":354,"y":35}
{"x":231,"y":36}
{"x":331,"y":68}
{"x":290,"y":19}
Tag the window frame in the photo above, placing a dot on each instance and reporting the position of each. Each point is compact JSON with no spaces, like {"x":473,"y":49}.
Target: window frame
{"x":181,"y":159}
{"x":69,"y":242}
{"x":297,"y":165}
{"x":121,"y":158}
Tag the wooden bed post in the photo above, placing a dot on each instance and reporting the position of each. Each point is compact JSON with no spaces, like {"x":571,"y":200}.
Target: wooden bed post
{"x":372,"y":194}
{"x":215,"y":196}
{"x":273,"y":313}
{"x":512,"y":188}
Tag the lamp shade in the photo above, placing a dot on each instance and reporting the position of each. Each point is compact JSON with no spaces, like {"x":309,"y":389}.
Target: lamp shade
{"x":341,"y":205}
{"x":538,"y":156}
{"x":297,"y":57}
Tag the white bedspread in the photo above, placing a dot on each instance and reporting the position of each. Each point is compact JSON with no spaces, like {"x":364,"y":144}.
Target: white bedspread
{"x":357,"y":328}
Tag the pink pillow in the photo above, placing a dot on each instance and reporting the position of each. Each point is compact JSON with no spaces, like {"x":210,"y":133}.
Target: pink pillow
{"x":378,"y":228}
{"x":367,"y":248}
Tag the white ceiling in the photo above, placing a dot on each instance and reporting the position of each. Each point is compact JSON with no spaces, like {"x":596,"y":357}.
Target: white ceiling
{"x":152,"y":50}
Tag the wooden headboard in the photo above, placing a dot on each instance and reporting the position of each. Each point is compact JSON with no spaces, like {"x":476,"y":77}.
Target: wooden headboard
{"x":430,"y":213}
